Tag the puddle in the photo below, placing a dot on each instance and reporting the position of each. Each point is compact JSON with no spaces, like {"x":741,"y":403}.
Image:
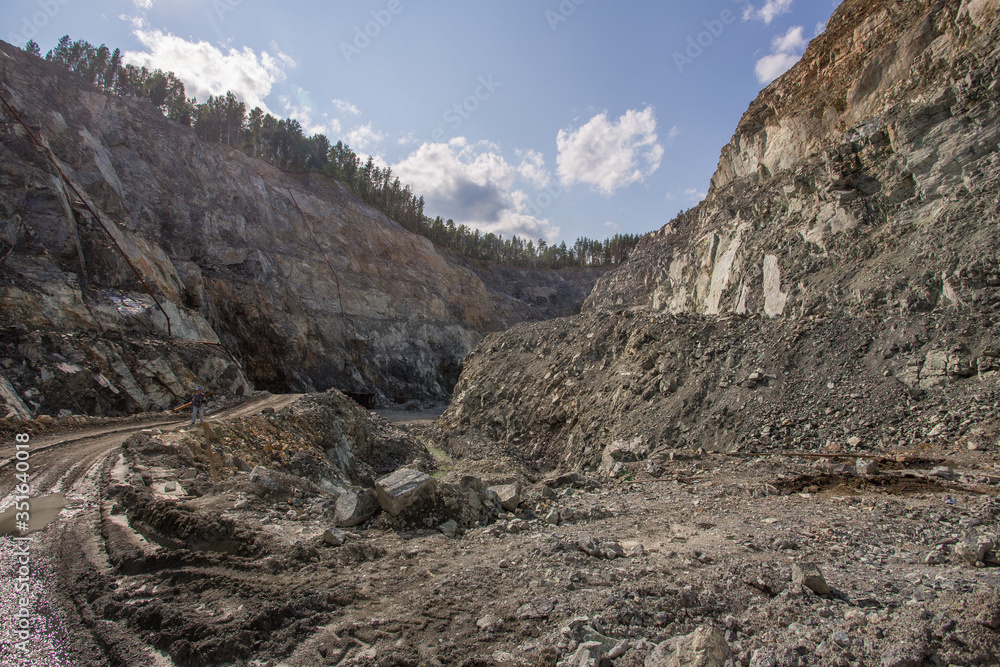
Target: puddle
{"x":444,"y":463}
{"x":42,"y":512}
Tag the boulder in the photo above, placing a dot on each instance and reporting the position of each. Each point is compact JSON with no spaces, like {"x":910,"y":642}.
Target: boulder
{"x":397,"y":491}
{"x":809,"y":575}
{"x":565,"y":479}
{"x":449,"y":528}
{"x":264,"y":477}
{"x":509,"y":495}
{"x":705,"y":647}
{"x":867,"y":467}
{"x":944,"y":472}
{"x":586,"y":654}
{"x":588,"y":545}
{"x":536,"y":609}
{"x":904,"y":654}
{"x":990,"y":615}
{"x":355,"y":507}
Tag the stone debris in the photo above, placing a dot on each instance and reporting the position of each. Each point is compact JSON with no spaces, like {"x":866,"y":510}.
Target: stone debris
{"x":334,"y":537}
{"x":837,"y":295}
{"x":809,"y":575}
{"x":449,"y":528}
{"x":355,"y":507}
{"x":705,"y":647}
{"x":509,"y":495}
{"x":609,"y":550}
{"x":400,"y":489}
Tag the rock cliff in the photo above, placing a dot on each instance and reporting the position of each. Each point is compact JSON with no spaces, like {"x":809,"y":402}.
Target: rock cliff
{"x":865,"y":177}
{"x":255,"y":277}
{"x":838,"y":286}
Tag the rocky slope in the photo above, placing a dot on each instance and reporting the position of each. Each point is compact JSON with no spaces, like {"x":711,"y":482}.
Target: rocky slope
{"x":282,"y":281}
{"x":838,"y":287}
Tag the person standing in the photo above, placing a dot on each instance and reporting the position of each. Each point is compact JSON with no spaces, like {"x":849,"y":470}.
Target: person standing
{"x":198,"y":406}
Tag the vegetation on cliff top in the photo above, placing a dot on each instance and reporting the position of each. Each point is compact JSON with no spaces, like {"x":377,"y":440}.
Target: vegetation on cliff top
{"x":282,"y":143}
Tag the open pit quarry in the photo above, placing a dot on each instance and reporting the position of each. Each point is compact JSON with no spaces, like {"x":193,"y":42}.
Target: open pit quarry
{"x":771,"y":438}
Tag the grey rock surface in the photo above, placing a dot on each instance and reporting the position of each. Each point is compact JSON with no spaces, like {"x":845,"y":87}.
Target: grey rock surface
{"x":280,"y":281}
{"x":400,"y":489}
{"x":355,"y":507}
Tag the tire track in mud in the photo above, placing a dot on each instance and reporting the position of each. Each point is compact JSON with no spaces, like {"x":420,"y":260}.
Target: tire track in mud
{"x":72,"y":569}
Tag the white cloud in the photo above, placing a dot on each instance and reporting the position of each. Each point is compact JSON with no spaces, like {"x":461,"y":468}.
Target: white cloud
{"x":303,"y":112}
{"x":790,"y":42}
{"x":610,"y":155}
{"x":532,"y":168}
{"x":771,"y":67}
{"x":786,"y":50}
{"x":613,"y":226}
{"x":695,"y":195}
{"x":344,"y":106}
{"x":771,"y":10}
{"x":474,"y":185}
{"x":143,"y":4}
{"x":206,"y":70}
{"x":364,"y":138}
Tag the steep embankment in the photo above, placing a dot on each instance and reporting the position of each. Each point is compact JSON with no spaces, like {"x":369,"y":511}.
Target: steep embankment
{"x":838,"y":286}
{"x":283,"y":281}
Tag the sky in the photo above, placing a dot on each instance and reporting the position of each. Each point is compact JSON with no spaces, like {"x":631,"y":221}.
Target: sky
{"x":549,"y":119}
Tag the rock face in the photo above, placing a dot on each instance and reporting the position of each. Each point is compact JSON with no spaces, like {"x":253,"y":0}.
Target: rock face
{"x":864,"y":179}
{"x":283,"y":281}
{"x":837,"y":287}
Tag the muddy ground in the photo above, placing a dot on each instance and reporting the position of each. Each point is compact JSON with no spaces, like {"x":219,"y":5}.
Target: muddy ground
{"x":180,"y":569}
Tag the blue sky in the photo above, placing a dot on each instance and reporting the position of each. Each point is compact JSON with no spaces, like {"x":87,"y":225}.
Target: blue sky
{"x":550,"y":119}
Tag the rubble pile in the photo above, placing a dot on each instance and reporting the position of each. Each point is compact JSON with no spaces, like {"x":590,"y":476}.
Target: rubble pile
{"x":606,"y":388}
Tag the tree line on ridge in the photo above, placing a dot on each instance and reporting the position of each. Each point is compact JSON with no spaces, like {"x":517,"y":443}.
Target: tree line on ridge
{"x":283,"y":143}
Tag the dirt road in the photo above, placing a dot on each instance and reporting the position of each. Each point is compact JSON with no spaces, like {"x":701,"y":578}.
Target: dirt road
{"x":74,"y":464}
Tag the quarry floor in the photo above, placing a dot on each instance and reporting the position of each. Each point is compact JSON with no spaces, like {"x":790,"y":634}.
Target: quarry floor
{"x":696,"y":539}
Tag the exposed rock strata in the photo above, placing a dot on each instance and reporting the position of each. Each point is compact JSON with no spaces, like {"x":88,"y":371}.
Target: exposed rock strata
{"x":866,"y":177}
{"x":838,"y":287}
{"x":304,"y":286}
